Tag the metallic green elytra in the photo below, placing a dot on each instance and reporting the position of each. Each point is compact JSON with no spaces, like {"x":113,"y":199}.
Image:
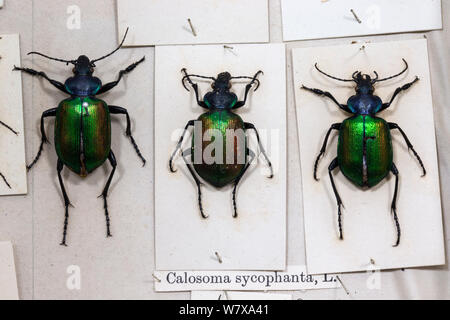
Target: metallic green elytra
{"x":365,"y":150}
{"x":220,"y":174}
{"x":364,"y":153}
{"x":219,"y":122}
{"x":83,"y":124}
{"x":82,"y":133}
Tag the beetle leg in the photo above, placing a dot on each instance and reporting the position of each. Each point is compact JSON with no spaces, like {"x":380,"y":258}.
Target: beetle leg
{"x":194,"y":86}
{"x":178,"y":147}
{"x":120,"y":110}
{"x":8,"y":127}
{"x":394,"y":170}
{"x":409,"y":144}
{"x":197,"y":181}
{"x":46,"y":113}
{"x":67,"y":203}
{"x":104,"y":195}
{"x":247,"y":89}
{"x":328,"y":95}
{"x":249,"y":125}
{"x":247,"y":165}
{"x":4,"y":179}
{"x":108,"y":86}
{"x":334,"y":126}
{"x":397,"y":91}
{"x":334,"y":165}
{"x":55,"y":83}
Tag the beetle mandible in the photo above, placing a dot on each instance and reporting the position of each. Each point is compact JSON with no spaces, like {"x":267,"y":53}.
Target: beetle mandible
{"x":83,"y":124}
{"x":365,"y":154}
{"x":220,"y":103}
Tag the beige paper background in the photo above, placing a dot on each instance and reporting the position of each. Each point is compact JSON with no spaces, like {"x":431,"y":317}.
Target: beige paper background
{"x":154,"y":22}
{"x":256,"y":239}
{"x":368,"y":227}
{"x":11,"y":109}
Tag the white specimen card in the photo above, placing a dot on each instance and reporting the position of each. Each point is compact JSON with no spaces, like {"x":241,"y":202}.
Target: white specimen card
{"x":238,"y":295}
{"x":156,"y":22}
{"x":316,"y":19}
{"x":8,"y":280}
{"x":256,"y":239}
{"x":12,"y":164}
{"x":294,"y":278}
{"x":368,"y":227}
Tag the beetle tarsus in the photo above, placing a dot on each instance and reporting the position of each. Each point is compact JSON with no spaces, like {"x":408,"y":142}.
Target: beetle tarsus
{"x":6,"y":181}
{"x":104,"y":194}
{"x":394,"y":170}
{"x":333,"y":165}
{"x":197,"y":182}
{"x":238,"y":179}
{"x":67,"y":203}
{"x":9,"y":128}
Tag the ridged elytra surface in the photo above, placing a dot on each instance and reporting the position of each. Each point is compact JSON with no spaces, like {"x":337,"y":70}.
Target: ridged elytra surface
{"x":82,"y":133}
{"x":220,"y":174}
{"x":365,"y":150}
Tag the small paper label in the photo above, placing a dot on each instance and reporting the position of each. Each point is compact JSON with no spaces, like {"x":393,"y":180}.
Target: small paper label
{"x":295,"y":278}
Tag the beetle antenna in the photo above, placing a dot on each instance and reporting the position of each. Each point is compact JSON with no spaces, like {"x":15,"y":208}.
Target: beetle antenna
{"x":120,"y":45}
{"x":187,"y":76}
{"x":376,"y":77}
{"x":335,"y":78}
{"x":396,"y":75}
{"x":253,"y":79}
{"x":51,"y":58}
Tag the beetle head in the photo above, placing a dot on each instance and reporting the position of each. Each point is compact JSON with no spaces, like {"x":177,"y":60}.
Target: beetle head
{"x":364,"y":83}
{"x":83,"y":66}
{"x":222,"y":81}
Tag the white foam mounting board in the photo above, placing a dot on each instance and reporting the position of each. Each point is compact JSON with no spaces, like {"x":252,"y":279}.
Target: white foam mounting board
{"x":12,"y":159}
{"x":155,"y":22}
{"x":369,"y":230}
{"x":316,"y":19}
{"x":256,"y":239}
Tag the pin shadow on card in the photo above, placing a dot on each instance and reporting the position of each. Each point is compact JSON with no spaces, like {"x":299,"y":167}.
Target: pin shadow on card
{"x":13,"y":179}
{"x":193,"y":22}
{"x":200,"y":222}
{"x":8,"y":280}
{"x":345,"y":18}
{"x":382,"y":224}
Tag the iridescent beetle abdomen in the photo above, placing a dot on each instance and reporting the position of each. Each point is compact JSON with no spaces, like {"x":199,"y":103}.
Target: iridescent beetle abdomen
{"x":365,"y":150}
{"x":83,"y":133}
{"x":221,"y":174}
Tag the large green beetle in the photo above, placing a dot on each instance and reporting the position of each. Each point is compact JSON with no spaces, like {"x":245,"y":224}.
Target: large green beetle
{"x":83,"y":125}
{"x":232,"y":163}
{"x":365,"y":154}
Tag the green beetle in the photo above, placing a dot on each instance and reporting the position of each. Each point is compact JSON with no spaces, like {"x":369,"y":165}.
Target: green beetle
{"x":83,"y":125}
{"x":231,"y":164}
{"x":365,"y":154}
